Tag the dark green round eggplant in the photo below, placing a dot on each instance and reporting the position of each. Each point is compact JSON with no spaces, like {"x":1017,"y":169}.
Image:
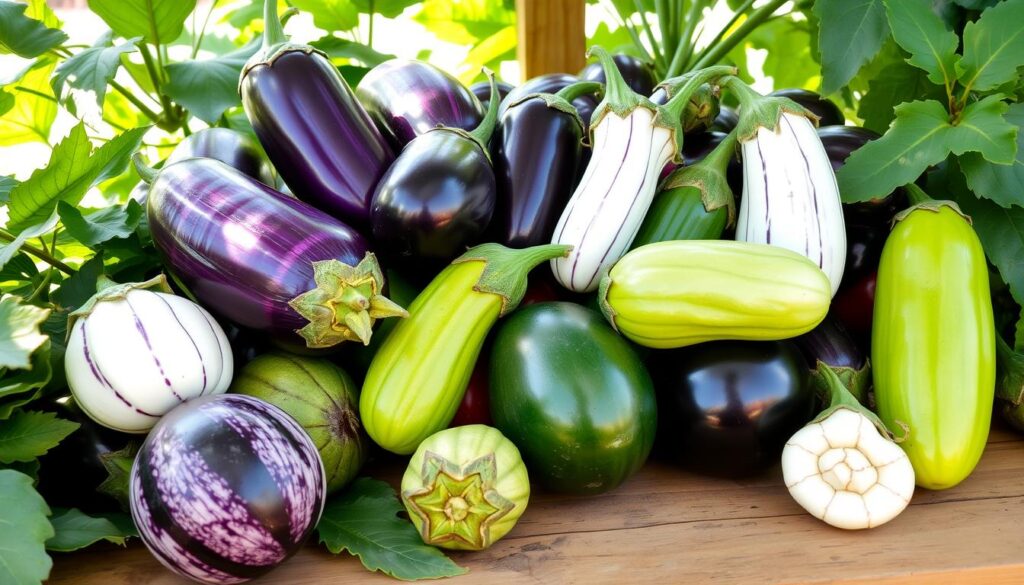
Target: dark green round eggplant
{"x":573,"y":396}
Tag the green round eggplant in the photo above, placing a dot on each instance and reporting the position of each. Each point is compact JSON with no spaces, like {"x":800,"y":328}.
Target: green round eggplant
{"x":322,"y":398}
{"x":573,"y":396}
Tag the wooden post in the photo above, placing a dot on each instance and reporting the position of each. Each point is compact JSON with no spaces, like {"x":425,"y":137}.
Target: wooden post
{"x":552,"y":38}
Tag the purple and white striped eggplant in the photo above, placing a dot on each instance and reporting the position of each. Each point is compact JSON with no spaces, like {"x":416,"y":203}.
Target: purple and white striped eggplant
{"x":133,"y":354}
{"x":226,"y":488}
{"x":790,"y":195}
{"x":633,"y":139}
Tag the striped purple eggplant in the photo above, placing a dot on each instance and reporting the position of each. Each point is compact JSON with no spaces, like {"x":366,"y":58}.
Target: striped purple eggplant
{"x":408,"y":98}
{"x":263,"y":260}
{"x":311,"y":125}
{"x":226,"y":488}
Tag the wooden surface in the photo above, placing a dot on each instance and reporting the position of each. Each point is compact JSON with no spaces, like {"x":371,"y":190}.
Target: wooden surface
{"x":669,"y":526}
{"x":551,"y":36}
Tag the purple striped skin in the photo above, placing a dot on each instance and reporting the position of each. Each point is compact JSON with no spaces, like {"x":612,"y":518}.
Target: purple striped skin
{"x":226,"y":488}
{"x":316,"y":133}
{"x":243,"y":249}
{"x":407,"y":98}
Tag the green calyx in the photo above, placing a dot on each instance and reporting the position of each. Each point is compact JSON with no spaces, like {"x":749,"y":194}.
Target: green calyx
{"x":275,"y":42}
{"x":703,"y":105}
{"x":709,"y":177}
{"x":458,"y":503}
{"x":932,"y":205}
{"x":146,"y":173}
{"x":602,"y":300}
{"x":481,"y":135}
{"x":345,"y":304}
{"x":506,"y":269}
{"x":758,"y":111}
{"x":831,"y":387}
{"x":108,"y":290}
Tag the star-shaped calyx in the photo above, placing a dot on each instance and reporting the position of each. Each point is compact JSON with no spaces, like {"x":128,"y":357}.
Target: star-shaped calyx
{"x":458,"y":503}
{"x":345,"y":304}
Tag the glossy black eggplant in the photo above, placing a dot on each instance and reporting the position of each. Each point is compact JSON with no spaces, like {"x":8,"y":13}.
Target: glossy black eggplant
{"x":408,"y":98}
{"x":832,"y":344}
{"x":230,"y":147}
{"x":537,"y":152}
{"x":864,"y":244}
{"x":315,"y":131}
{"x":639,"y":75}
{"x":727,"y":408}
{"x":839,"y":142}
{"x":438,"y":196}
{"x":552,"y":83}
{"x":482,"y":91}
{"x":726,"y":120}
{"x":826,"y":110}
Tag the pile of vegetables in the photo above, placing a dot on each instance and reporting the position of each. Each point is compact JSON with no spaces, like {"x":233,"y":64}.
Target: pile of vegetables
{"x":507,"y":289}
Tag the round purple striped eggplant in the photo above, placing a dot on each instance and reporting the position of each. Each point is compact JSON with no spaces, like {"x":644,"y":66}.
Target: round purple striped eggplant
{"x":408,"y":98}
{"x":226,"y":488}
{"x":551,"y":83}
{"x":263,"y":260}
{"x":313,"y":128}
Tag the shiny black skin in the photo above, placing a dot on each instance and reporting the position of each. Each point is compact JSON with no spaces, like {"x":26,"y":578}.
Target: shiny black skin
{"x":727,"y":408}
{"x":726,"y":120}
{"x":864,"y":245}
{"x":551,"y":83}
{"x":826,"y":110}
{"x":482,"y":91}
{"x":435,"y":200}
{"x":839,"y":143}
{"x":831,"y":343}
{"x":537,"y":155}
{"x":230,"y":147}
{"x":639,"y":76}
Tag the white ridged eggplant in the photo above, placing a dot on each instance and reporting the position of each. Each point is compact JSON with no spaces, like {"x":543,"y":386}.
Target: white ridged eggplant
{"x":790,"y":195}
{"x":133,"y":354}
{"x":633,"y":139}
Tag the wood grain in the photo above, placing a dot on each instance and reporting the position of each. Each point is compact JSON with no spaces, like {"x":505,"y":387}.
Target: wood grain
{"x":551,"y":34}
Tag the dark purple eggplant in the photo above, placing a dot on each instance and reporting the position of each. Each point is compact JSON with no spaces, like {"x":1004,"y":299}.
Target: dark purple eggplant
{"x":315,"y":131}
{"x":826,"y":110}
{"x":261,"y":259}
{"x":726,"y":120}
{"x":230,"y":147}
{"x":839,"y":142}
{"x":537,"y":151}
{"x":482,"y":91}
{"x":639,"y":75}
{"x":438,"y":197}
{"x":833,"y":345}
{"x":864,"y":245}
{"x":408,"y":98}
{"x":552,"y":83}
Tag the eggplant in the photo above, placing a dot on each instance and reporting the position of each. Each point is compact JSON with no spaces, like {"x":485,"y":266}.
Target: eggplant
{"x":826,"y":110}
{"x":315,"y":131}
{"x":639,"y":75}
{"x":262,"y":260}
{"x":230,"y":147}
{"x":482,"y":91}
{"x":537,"y":153}
{"x":864,"y":245}
{"x":839,"y":142}
{"x":831,"y":344}
{"x":700,"y":112}
{"x":726,"y":120}
{"x":552,"y":83}
{"x":439,"y":195}
{"x":406,"y":99}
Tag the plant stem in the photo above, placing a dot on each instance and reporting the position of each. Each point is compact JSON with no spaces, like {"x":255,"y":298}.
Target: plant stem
{"x":624,"y":23}
{"x":720,"y":50}
{"x":915,"y":194}
{"x":38,"y":253}
{"x":369,"y":37}
{"x":44,"y":285}
{"x":659,"y":60}
{"x":34,"y":92}
{"x":668,"y":42}
{"x":686,"y":43}
{"x":198,"y":44}
{"x":134,"y":100}
{"x":155,"y":76}
{"x":725,"y":29}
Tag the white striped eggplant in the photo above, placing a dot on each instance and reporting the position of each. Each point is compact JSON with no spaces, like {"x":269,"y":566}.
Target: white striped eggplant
{"x":790,"y":196}
{"x":633,"y":139}
{"x":134,"y":353}
{"x":263,"y":260}
{"x":226,"y":488}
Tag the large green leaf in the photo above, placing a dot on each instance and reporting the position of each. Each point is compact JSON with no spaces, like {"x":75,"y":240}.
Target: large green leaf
{"x":17,"y":386}
{"x":363,"y":520}
{"x":920,"y":32}
{"x":23,"y":531}
{"x":467,"y":22}
{"x":489,"y":53}
{"x":119,"y":468}
{"x":34,"y":111}
{"x":850,"y":34}
{"x":388,"y":8}
{"x":339,"y":48}
{"x":19,"y":332}
{"x":156,"y":21}
{"x":993,"y":47}
{"x":983,"y":129}
{"x":6,"y":104}
{"x":9,"y":249}
{"x":100,"y":225}
{"x":6,"y":184}
{"x":331,"y":15}
{"x":25,"y":36}
{"x":788,"y":60}
{"x":29,"y":434}
{"x":893,"y":85}
{"x":93,"y":68}
{"x":1003,"y":184}
{"x":79,"y":287}
{"x":75,"y":530}
{"x":209,"y":87}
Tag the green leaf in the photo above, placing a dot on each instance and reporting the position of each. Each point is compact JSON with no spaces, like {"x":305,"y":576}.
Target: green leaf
{"x":19,"y":387}
{"x":993,"y":47}
{"x":920,"y":32}
{"x":6,"y":102}
{"x":892,"y":86}
{"x":209,"y":87}
{"x":93,"y":68}
{"x":80,"y":286}
{"x":788,"y":60}
{"x":615,"y":41}
{"x":983,"y":129}
{"x":977,"y":4}
{"x":157,"y":21}
{"x":119,"y":468}
{"x":1003,"y":184}
{"x":33,"y":114}
{"x":23,"y":531}
{"x":24,"y":36}
{"x":100,"y":225}
{"x":353,"y":74}
{"x":30,"y":434}
{"x":850,"y":34}
{"x":489,"y":53}
{"x":19,"y":332}
{"x":8,"y":250}
{"x":29,"y":468}
{"x":75,"y":530}
{"x":72,"y":171}
{"x":467,"y":22}
{"x":363,"y":520}
{"x":330,"y":15}
{"x":387,"y":8}
{"x":339,"y":48}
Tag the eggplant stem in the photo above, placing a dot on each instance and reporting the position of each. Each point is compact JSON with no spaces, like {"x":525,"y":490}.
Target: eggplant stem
{"x":580,"y":88}
{"x":482,"y":133}
{"x":677,"y":104}
{"x":146,"y":173}
{"x":916,"y":195}
{"x":273,"y":30}
{"x":506,"y":269}
{"x":616,"y":90}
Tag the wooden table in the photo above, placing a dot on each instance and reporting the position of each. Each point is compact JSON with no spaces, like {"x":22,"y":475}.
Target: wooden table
{"x":668,"y":526}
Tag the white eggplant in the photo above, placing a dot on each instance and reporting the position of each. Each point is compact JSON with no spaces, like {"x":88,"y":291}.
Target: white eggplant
{"x":790,"y":195}
{"x":134,"y":354}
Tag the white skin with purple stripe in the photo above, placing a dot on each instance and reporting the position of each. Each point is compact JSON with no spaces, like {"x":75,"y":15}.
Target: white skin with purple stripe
{"x":132,"y":360}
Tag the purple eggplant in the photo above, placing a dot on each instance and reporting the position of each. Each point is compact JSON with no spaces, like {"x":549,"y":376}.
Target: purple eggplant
{"x":315,"y":131}
{"x":826,"y":110}
{"x":833,"y":345}
{"x":726,"y":120}
{"x":552,"y":83}
{"x":639,"y":75}
{"x":438,"y":197}
{"x":482,"y":91}
{"x":408,"y":98}
{"x":226,"y":488}
{"x":839,"y":142}
{"x":261,"y":259}
{"x":230,"y":147}
{"x":537,"y":152}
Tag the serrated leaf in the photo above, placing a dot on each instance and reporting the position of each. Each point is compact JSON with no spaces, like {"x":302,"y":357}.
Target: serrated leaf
{"x":851,"y":32}
{"x":209,"y":87}
{"x":74,"y":530}
{"x":892,"y":86}
{"x":29,"y":468}
{"x":100,"y":225}
{"x":387,"y":8}
{"x":30,"y":434}
{"x":330,"y":15}
{"x":157,"y":21}
{"x":25,"y":36}
{"x":33,"y":113}
{"x":983,"y":129}
{"x":467,"y":22}
{"x":339,"y":48}
{"x":19,"y":332}
{"x":993,"y":47}
{"x":21,"y":386}
{"x":920,"y":32}
{"x":363,"y":520}
{"x":25,"y":529}
{"x":119,"y":468}
{"x":1003,"y":184}
{"x":92,"y":69}
{"x":80,"y":286}
{"x":9,"y":249}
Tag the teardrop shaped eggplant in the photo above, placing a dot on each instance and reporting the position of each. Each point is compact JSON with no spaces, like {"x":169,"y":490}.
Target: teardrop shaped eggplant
{"x":552,"y":83}
{"x":230,"y":147}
